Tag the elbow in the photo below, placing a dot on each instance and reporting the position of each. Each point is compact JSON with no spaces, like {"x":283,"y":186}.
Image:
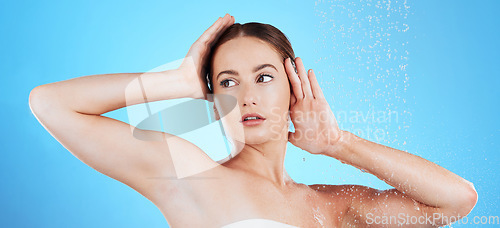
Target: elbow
{"x":466,"y":201}
{"x":462,"y":206}
{"x":470,"y":199}
{"x":34,"y":99}
{"x":39,"y":100}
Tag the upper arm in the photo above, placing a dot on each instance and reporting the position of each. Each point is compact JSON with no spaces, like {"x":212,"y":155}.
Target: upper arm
{"x":390,"y":207}
{"x":108,"y":146}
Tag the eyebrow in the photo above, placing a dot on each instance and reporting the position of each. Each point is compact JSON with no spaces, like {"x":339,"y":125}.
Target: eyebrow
{"x":257,"y":68}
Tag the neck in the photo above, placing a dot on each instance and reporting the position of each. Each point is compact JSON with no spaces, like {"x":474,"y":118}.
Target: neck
{"x":266,"y":160}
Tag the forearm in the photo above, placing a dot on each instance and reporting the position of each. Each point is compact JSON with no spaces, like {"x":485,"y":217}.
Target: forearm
{"x":98,"y":94}
{"x":417,"y":177}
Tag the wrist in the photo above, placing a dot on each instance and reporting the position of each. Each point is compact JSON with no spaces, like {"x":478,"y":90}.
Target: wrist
{"x":192,"y":85}
{"x":339,"y":145}
{"x":175,"y":79}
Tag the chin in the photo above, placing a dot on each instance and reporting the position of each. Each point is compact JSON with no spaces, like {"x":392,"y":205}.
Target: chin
{"x":252,"y":139}
{"x":261,"y":135}
{"x":255,"y":134}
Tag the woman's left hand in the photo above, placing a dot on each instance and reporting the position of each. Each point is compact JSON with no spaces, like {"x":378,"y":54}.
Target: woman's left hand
{"x":316,"y":128}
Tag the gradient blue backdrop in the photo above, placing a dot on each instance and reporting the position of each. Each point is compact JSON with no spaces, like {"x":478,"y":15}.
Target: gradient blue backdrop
{"x":435,"y":63}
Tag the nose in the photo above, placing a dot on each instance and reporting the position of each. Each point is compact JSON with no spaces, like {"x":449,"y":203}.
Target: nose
{"x":247,"y":103}
{"x":249,"y":97}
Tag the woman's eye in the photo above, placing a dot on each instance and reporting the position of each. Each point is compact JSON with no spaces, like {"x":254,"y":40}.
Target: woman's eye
{"x":265,"y":76}
{"x":225,"y":83}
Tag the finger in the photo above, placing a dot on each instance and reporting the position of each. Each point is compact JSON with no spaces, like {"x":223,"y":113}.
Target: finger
{"x":316,"y":89}
{"x":292,"y":99}
{"x":227,"y":21}
{"x":215,"y":34}
{"x":294,"y":79}
{"x":203,"y":44}
{"x":292,"y":137}
{"x":214,"y":27}
{"x":209,"y":35}
{"x":207,"y":39}
{"x":306,"y":87}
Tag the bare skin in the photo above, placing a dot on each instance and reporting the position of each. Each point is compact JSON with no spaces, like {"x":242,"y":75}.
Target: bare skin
{"x":253,"y":184}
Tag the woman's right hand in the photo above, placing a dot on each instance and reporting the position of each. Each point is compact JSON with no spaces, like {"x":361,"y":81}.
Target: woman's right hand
{"x":194,"y":67}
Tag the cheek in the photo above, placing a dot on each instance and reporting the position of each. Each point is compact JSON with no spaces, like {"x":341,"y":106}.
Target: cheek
{"x":277,"y":100}
{"x":284,"y":93}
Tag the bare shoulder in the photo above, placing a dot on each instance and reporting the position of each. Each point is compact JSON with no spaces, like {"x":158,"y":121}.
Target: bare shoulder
{"x":200,"y":184}
{"x":190,"y":200}
{"x":342,"y":195}
{"x":349,"y":189}
{"x":341,"y":199}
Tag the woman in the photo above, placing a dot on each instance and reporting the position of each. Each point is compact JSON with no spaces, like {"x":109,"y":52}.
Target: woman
{"x":252,"y":64}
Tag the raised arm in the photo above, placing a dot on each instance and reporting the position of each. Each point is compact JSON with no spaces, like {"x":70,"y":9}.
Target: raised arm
{"x":424,"y":193}
{"x":71,"y":111}
{"x":421,"y":188}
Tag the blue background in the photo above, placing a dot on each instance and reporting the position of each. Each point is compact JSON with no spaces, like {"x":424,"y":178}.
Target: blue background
{"x":434,"y":63}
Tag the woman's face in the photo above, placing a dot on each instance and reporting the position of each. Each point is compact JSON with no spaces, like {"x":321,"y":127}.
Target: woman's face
{"x":252,"y":73}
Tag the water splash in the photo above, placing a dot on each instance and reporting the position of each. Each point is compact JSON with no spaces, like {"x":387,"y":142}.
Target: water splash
{"x":318,"y":216}
{"x":363,"y":43}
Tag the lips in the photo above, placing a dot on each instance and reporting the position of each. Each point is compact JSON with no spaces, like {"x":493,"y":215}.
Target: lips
{"x":251,"y":116}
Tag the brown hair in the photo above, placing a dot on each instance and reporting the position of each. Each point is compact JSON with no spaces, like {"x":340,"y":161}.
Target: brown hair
{"x":264,"y":32}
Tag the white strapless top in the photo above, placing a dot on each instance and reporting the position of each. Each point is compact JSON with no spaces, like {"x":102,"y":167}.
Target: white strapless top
{"x":251,"y":223}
